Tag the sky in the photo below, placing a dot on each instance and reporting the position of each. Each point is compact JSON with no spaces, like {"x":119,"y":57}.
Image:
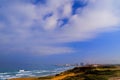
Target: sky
{"x":57,"y":31}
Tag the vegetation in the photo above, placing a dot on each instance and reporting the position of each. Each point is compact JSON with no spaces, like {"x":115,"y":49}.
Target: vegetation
{"x":47,"y":77}
{"x":85,"y":73}
{"x":93,"y":73}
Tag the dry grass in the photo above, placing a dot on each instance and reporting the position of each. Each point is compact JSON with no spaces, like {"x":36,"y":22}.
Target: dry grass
{"x":25,"y":79}
{"x":62,"y":76}
{"x":80,"y":73}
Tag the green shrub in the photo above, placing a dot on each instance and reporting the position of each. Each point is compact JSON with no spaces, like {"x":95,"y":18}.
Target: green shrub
{"x":94,"y":77}
{"x":96,"y":72}
{"x":80,"y":69}
{"x":108,"y":66}
{"x":72,"y":78}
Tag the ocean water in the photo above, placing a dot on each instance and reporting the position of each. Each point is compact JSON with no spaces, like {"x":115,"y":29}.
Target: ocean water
{"x":31,"y":71}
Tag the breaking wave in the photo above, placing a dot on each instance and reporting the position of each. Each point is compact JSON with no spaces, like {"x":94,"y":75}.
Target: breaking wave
{"x":32,"y":73}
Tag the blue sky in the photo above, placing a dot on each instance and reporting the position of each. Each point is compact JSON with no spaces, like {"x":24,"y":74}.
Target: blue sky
{"x":69,"y":31}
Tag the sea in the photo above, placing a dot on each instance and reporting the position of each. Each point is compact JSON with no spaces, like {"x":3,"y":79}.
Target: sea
{"x":31,"y":71}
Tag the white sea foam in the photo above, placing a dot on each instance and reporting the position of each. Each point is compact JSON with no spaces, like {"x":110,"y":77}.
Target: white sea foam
{"x":22,"y":73}
{"x":25,"y":73}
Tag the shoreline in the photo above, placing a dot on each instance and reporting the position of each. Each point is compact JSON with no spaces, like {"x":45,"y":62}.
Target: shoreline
{"x":54,"y":77}
{"x":42,"y":76}
{"x":89,"y":72}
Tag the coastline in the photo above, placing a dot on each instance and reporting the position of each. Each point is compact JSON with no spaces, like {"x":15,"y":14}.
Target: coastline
{"x":91,"y":72}
{"x":43,"y":74}
{"x":45,"y":78}
{"x":29,"y":78}
{"x":39,"y":71}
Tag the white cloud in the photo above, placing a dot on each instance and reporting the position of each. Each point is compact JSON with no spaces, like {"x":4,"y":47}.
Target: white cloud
{"x":28,"y":25}
{"x":52,"y":50}
{"x":50,"y":23}
{"x":67,"y":9}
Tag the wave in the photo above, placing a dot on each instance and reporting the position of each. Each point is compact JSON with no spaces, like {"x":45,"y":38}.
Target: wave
{"x":32,"y":73}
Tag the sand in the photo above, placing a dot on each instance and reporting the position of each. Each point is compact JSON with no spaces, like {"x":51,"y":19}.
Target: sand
{"x":54,"y":77}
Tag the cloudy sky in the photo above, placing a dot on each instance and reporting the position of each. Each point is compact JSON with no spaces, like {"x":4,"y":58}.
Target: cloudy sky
{"x":59,"y":30}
